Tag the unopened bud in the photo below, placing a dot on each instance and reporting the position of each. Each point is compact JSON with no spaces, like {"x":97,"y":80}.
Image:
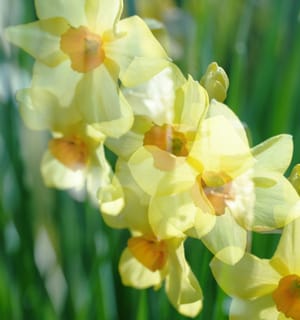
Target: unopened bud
{"x":216,"y":82}
{"x":294,"y":178}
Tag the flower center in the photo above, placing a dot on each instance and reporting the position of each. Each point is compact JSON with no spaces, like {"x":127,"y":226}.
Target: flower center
{"x":168,"y":139}
{"x":287,"y":296}
{"x":218,"y":190}
{"x":150,"y":252}
{"x":71,"y":151}
{"x":83,"y":47}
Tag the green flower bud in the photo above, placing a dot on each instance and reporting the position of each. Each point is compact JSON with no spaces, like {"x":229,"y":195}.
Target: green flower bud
{"x":294,"y":178}
{"x":216,"y":82}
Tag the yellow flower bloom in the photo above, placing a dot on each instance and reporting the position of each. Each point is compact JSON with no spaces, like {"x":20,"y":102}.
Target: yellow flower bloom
{"x":261,"y":288}
{"x":75,"y":156}
{"x":167,"y":143}
{"x":222,"y":189}
{"x":148,"y":262}
{"x":152,"y":103}
{"x":82,"y":48}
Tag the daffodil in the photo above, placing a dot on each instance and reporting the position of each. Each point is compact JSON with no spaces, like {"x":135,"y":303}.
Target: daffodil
{"x":152,"y":102}
{"x":82,"y":48}
{"x":167,"y":141}
{"x":75,"y":157}
{"x":149,"y":261}
{"x":222,"y":189}
{"x":265,"y":289}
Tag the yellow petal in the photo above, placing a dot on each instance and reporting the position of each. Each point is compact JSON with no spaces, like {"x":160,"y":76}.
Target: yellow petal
{"x":118,"y":126}
{"x":134,"y":274}
{"x":111,"y":197}
{"x":220,"y":148}
{"x":101,"y":103}
{"x":155,"y":98}
{"x":136,"y":40}
{"x":126,"y":145}
{"x":134,"y":214}
{"x":40,"y":110}
{"x":276,"y":204}
{"x":141,"y":69}
{"x":274,"y":154}
{"x":253,"y":277}
{"x":286,"y":258}
{"x":170,"y":216}
{"x":56,"y":175}
{"x":179,"y":180}
{"x":71,"y":10}
{"x":182,"y":287}
{"x":191,"y":104}
{"x":219,"y":109}
{"x":261,"y":308}
{"x":102,"y":15}
{"x":227,"y":240}
{"x":143,"y":170}
{"x":41,"y":39}
{"x":58,"y":80}
{"x":100,"y":177}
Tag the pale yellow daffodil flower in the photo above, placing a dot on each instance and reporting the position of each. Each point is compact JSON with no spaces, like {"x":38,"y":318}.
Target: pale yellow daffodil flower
{"x":82,"y":48}
{"x":223,"y":188}
{"x":149,"y":261}
{"x":265,"y":289}
{"x":152,"y":102}
{"x":75,"y":157}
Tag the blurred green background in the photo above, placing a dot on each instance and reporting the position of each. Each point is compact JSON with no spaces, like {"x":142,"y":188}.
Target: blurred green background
{"x":58,"y":260}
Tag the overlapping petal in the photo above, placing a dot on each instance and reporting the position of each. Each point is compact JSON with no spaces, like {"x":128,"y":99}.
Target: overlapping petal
{"x":135,"y":40}
{"x":100,"y":178}
{"x":41,"y":39}
{"x":102,"y":15}
{"x":253,"y":277}
{"x":286,"y":258}
{"x":71,"y":10}
{"x":219,"y":109}
{"x":274,"y":154}
{"x":182,"y":286}
{"x":277,"y":202}
{"x":190,"y":105}
{"x":144,"y":171}
{"x":56,"y":175}
{"x":227,"y":240}
{"x":61,"y":81}
{"x":102,"y":105}
{"x":41,"y":110}
{"x":134,"y":274}
{"x":260,"y":309}
{"x":134,"y":213}
{"x":220,"y":149}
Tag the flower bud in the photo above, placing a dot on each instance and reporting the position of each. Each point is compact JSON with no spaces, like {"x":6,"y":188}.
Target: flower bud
{"x":216,"y":82}
{"x":295,"y":178}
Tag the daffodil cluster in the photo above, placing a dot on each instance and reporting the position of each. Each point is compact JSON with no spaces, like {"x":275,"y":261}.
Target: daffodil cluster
{"x":184,"y":164}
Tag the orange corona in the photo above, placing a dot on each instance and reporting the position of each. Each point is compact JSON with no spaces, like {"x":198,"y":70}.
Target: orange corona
{"x":71,"y":151}
{"x":149,"y":251}
{"x":83,"y":47}
{"x":287,"y":296}
{"x":217,"y":195}
{"x":168,"y":139}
